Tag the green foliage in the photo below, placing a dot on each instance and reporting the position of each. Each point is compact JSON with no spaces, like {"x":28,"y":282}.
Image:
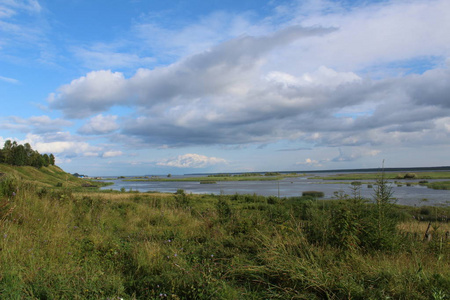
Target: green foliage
{"x":60,"y":244}
{"x":9,"y":186}
{"x":315,"y":194}
{"x":438,"y":185}
{"x":223,"y":210}
{"x":23,"y":155}
{"x":383,"y":230}
{"x":410,"y":175}
{"x":182,"y":199}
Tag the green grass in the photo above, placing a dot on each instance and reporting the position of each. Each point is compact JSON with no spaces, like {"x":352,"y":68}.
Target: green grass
{"x":439,"y":185}
{"x":64,"y":244}
{"x":48,"y":177}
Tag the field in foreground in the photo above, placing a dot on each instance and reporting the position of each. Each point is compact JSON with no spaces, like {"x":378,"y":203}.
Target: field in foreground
{"x":60,"y":243}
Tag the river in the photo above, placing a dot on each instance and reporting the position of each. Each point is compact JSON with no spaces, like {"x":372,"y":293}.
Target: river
{"x":414,"y":195}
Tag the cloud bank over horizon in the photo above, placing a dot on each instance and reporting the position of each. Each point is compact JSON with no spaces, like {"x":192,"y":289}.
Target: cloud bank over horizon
{"x":341,"y":86}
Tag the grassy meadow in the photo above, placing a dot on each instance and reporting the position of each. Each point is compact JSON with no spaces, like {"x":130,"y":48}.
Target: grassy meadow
{"x":70,"y":242}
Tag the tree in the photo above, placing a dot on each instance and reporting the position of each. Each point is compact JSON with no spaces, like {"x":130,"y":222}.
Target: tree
{"x":46,"y":159}
{"x":23,"y":155}
{"x":385,"y":225}
{"x":19,"y":157}
{"x":37,"y":160}
{"x":7,"y":152}
{"x":28,"y":153}
{"x":52,"y":159}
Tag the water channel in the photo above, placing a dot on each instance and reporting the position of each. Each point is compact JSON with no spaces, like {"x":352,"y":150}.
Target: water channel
{"x":414,"y":195}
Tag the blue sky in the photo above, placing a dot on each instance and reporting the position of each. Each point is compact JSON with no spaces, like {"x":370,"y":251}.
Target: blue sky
{"x":155,"y":87}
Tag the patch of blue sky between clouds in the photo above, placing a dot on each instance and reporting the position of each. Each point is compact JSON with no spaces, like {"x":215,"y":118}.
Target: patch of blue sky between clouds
{"x":416,"y":65}
{"x":353,"y":115}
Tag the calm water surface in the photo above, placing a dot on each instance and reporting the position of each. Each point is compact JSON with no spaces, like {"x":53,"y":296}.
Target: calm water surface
{"x":289,"y":187}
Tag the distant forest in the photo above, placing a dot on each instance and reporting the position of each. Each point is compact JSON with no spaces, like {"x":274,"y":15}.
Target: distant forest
{"x":23,"y":155}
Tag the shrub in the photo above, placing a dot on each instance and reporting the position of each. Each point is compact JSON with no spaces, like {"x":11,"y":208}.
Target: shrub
{"x":9,"y":186}
{"x":208,"y":182}
{"x":410,"y":176}
{"x":315,"y":194}
{"x":223,"y":210}
{"x":272,"y":200}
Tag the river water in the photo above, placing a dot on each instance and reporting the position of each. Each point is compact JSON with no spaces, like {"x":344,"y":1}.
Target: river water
{"x":414,"y":195}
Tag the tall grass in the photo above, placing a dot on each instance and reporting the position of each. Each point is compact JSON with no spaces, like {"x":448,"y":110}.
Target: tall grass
{"x":61,"y":244}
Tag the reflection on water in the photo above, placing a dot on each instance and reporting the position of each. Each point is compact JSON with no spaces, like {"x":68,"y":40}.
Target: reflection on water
{"x":289,"y":187}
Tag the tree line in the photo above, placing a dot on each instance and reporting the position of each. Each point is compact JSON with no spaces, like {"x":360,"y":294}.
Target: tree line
{"x":23,"y":155}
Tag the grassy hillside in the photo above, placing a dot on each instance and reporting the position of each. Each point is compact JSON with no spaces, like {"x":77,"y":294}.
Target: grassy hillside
{"x":51,"y":176}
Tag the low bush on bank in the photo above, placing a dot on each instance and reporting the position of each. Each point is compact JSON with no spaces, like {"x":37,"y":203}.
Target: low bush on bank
{"x":315,"y":194}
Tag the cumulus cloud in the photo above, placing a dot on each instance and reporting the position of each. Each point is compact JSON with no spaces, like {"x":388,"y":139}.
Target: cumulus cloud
{"x":305,"y":83}
{"x":90,"y":94}
{"x":219,"y":70}
{"x":191,"y":161}
{"x":312,"y":163}
{"x":377,"y":33}
{"x":62,"y":143}
{"x":100,"y":125}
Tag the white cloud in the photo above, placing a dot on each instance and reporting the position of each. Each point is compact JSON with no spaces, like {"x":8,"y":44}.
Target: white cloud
{"x":309,"y":84}
{"x":191,"y":161}
{"x":9,"y":80}
{"x":90,"y":94}
{"x":61,"y":143}
{"x":375,"y":33}
{"x":312,"y":163}
{"x":112,"y":154}
{"x":103,"y":56}
{"x":9,"y":8}
{"x":100,"y":125}
{"x":35,"y":124}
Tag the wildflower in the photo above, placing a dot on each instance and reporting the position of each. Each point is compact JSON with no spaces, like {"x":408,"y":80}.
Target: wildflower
{"x":175,"y":255}
{"x":212,"y":255}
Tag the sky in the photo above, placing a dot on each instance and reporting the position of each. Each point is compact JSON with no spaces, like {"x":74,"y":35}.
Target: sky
{"x":140,"y":87}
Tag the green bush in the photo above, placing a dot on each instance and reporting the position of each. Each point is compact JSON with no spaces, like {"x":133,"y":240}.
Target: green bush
{"x":9,"y":186}
{"x":410,"y":176}
{"x":315,"y":194}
